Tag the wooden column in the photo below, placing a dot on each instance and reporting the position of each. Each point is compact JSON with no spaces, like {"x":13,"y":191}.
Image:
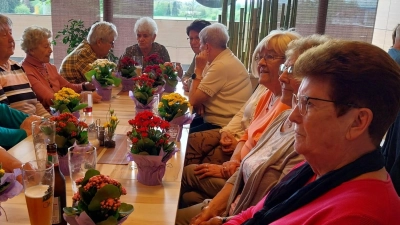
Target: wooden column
{"x":321,"y":18}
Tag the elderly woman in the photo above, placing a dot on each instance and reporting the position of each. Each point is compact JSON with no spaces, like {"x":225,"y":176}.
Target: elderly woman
{"x":146,"y":32}
{"x":205,"y":180}
{"x":352,"y":88}
{"x":15,"y":89}
{"x":269,"y":160}
{"x":42,"y":75}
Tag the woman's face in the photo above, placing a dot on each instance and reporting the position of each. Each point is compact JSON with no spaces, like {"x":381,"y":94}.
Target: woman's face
{"x":289,"y":85}
{"x":7,"y":44}
{"x":268,"y":68}
{"x":145,"y":39}
{"x":194,"y":41}
{"x":319,"y":134}
{"x":42,"y":51}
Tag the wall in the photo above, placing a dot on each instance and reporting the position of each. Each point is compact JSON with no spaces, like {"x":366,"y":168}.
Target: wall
{"x":387,"y":17}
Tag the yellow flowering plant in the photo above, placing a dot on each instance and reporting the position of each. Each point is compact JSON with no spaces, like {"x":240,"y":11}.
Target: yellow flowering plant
{"x":67,"y":100}
{"x":110,"y":125}
{"x":172,"y":106}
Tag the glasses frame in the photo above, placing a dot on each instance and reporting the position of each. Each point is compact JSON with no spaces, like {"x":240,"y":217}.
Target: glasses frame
{"x":283,"y":67}
{"x":303,"y":110}
{"x":268,"y":57}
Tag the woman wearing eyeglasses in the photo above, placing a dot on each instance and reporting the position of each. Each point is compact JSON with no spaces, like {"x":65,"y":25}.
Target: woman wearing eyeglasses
{"x":344,"y":106}
{"x":42,"y":75}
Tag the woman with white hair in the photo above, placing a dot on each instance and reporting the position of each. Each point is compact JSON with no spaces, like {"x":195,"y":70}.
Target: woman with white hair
{"x":42,"y":75}
{"x":146,"y":32}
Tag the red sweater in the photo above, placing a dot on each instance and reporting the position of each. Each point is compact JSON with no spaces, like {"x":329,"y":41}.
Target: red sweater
{"x":357,"y":202}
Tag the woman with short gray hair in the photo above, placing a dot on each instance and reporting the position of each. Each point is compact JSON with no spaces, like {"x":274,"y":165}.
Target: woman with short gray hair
{"x":42,"y":75}
{"x":146,"y":31}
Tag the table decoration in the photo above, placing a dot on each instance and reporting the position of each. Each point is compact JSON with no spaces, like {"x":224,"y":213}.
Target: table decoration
{"x":143,"y":93}
{"x":69,"y":132}
{"x":174,"y":109}
{"x":110,"y":126}
{"x":102,"y":78}
{"x":67,"y":100}
{"x":9,"y":186}
{"x":98,"y":201}
{"x":127,"y":69}
{"x":153,"y":59}
{"x":151,"y":148}
{"x":170,"y":76}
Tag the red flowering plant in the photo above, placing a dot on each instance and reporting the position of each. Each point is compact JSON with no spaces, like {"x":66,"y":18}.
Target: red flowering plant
{"x":99,"y":198}
{"x":153,"y":59}
{"x":155,"y":72}
{"x":127,"y":67}
{"x":149,"y":135}
{"x":69,"y":131}
{"x":143,"y":90}
{"x":170,"y":74}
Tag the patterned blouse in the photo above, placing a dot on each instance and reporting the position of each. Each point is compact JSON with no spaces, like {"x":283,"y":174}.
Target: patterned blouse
{"x":134,"y":50}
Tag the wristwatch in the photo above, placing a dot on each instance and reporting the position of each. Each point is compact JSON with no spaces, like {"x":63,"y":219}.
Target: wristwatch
{"x":195,"y":77}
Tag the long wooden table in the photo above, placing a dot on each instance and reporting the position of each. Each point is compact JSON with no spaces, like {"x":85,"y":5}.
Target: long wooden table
{"x":152,"y":204}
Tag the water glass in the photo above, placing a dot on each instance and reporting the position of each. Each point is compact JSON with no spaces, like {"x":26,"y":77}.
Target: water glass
{"x":38,"y":180}
{"x":81,"y":158}
{"x":139,"y":66}
{"x":43,"y":133}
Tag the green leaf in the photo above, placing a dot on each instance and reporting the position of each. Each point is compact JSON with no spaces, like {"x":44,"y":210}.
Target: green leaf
{"x":89,"y":75}
{"x":108,"y":191}
{"x":71,"y":211}
{"x":117,"y":81}
{"x":79,"y":107}
{"x":125,"y":209}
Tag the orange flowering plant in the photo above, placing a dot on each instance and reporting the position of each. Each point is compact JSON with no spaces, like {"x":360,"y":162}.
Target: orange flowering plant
{"x":99,"y":198}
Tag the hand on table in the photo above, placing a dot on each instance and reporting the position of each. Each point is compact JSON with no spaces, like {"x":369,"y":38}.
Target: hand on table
{"x":213,"y":221}
{"x":208,"y":170}
{"x":228,"y":142}
{"x":186,"y":84}
{"x":178,"y":68}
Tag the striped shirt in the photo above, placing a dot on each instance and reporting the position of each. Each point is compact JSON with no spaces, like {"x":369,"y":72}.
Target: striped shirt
{"x":16,"y":91}
{"x":76,"y":64}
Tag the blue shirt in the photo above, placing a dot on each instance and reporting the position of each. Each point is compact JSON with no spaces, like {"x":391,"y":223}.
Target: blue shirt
{"x":395,"y":54}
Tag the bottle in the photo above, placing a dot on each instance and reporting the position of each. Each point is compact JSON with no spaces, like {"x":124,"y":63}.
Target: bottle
{"x":60,"y":193}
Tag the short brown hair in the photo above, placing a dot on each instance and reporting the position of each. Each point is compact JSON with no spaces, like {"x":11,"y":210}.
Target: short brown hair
{"x":358,"y":73}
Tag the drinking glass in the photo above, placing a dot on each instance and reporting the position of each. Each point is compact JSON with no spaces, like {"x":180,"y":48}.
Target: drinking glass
{"x":81,"y":158}
{"x":43,"y":133}
{"x":139,"y":60}
{"x":38,"y":180}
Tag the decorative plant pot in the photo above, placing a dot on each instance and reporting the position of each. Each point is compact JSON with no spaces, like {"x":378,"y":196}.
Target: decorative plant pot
{"x":84,"y":219}
{"x":169,"y":89}
{"x":151,"y":106}
{"x":127,"y":83}
{"x":105,"y":93}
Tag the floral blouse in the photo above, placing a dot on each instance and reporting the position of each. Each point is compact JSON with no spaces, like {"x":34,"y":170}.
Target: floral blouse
{"x":134,"y":50}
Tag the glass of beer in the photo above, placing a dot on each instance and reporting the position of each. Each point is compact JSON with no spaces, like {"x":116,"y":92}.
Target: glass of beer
{"x":38,"y":180}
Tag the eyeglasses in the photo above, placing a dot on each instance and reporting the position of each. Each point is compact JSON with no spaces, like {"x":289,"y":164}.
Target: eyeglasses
{"x":303,"y":103}
{"x":282,"y":69}
{"x":268,"y":57}
{"x":193,"y":39}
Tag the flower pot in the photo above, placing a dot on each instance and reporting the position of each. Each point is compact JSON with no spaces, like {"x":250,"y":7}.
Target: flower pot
{"x":109,"y":141}
{"x":127,"y":83}
{"x":84,"y":219}
{"x":169,"y":89}
{"x":105,"y":93}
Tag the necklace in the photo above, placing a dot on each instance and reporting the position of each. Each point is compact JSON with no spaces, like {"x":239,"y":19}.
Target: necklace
{"x":45,"y":76}
{"x":272,"y":101}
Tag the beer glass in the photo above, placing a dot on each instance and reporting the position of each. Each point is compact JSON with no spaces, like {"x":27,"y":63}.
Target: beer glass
{"x":139,"y":60}
{"x":43,"y":133}
{"x":38,"y":180}
{"x":80,"y":159}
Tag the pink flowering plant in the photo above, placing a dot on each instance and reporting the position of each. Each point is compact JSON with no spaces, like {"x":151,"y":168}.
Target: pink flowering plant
{"x":99,"y":199}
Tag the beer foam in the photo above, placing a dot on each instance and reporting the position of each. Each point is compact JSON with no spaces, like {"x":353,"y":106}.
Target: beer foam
{"x":37,"y":191}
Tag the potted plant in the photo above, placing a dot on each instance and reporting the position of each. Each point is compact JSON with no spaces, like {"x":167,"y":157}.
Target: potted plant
{"x":170,"y":76}
{"x":97,"y":201}
{"x":143,"y":93}
{"x":151,"y":148}
{"x":67,"y":100}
